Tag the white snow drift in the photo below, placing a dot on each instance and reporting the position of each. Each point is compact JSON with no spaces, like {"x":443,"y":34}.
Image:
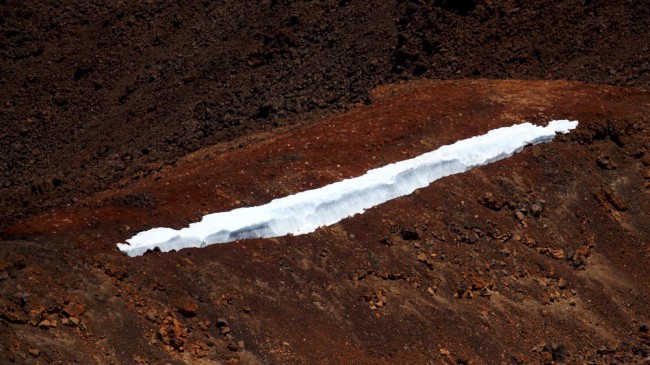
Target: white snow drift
{"x":306,"y":211}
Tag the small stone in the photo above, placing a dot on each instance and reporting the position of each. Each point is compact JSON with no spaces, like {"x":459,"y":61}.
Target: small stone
{"x":422,"y":257}
{"x":572,"y":302}
{"x":536,"y":209}
{"x":45,"y":324}
{"x":606,"y":163}
{"x":410,"y":234}
{"x":35,"y":315}
{"x":73,"y":321}
{"x":559,"y":353}
{"x":233,"y":347}
{"x":644,"y":328}
{"x":225,"y":330}
{"x":557,"y":254}
{"x":561,"y":283}
{"x":187,"y":306}
{"x":34,"y":352}
{"x":489,"y":201}
{"x":247,"y":309}
{"x":74,"y":310}
{"x":519,"y":215}
{"x":221,"y":322}
{"x":151,"y":316}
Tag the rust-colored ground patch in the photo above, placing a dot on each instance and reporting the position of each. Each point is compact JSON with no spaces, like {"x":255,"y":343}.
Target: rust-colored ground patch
{"x":526,"y":260}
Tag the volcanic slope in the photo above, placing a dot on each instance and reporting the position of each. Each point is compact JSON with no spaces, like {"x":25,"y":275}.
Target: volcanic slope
{"x":93,"y":92}
{"x":540,"y":257}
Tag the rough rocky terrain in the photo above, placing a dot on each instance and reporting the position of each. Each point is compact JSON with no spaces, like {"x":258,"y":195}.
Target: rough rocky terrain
{"x":538,"y":258}
{"x":97,"y":91}
{"x":117,"y":116}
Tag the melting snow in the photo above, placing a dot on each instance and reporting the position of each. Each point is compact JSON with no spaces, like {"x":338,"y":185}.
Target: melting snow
{"x":306,"y":211}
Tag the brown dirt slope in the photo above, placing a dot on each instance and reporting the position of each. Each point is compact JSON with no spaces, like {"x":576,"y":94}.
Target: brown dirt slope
{"x":92,"y":92}
{"x":539,"y":258}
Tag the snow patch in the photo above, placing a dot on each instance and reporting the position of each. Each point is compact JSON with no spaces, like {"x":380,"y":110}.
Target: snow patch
{"x":306,"y":211}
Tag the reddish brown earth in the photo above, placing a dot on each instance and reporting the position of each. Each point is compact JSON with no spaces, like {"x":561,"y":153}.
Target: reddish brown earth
{"x":539,"y":258}
{"x":116,"y":116}
{"x":92,"y":92}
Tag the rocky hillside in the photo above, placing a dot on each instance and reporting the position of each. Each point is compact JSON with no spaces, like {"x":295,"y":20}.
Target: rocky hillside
{"x":539,"y":258}
{"x":98,"y":91}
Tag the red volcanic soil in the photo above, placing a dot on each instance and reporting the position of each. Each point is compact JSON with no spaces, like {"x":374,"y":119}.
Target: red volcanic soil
{"x":92,"y":92}
{"x":539,"y":258}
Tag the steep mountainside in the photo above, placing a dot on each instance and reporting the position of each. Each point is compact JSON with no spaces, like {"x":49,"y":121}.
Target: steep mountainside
{"x":94,"y":92}
{"x":539,"y":258}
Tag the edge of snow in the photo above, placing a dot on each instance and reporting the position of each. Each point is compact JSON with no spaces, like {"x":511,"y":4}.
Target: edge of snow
{"x":306,"y":211}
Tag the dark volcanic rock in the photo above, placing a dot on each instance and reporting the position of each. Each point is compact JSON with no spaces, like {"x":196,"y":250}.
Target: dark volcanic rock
{"x":96,"y":93}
